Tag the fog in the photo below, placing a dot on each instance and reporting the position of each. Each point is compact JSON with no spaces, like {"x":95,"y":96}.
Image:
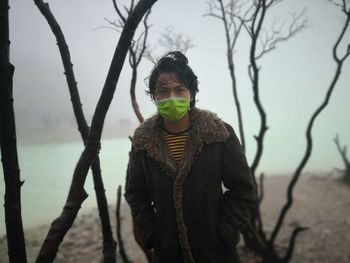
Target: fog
{"x":294,"y":77}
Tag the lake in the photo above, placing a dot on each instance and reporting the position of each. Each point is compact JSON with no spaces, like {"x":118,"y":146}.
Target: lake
{"x":47,"y":170}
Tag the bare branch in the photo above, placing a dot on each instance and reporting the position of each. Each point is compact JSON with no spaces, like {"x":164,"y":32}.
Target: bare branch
{"x":118,"y":11}
{"x":297,"y":173}
{"x":77,"y":193}
{"x":334,"y":2}
{"x":230,"y":15}
{"x":123,"y":254}
{"x":107,"y":27}
{"x":292,"y":240}
{"x":342,"y":150}
{"x":148,"y":54}
{"x":8,"y":144}
{"x":144,"y":43}
{"x":172,"y":41}
{"x":108,"y":241}
{"x":131,"y":5}
{"x":117,"y":26}
{"x":276,"y":35}
{"x":261,"y":187}
{"x":341,"y":36}
{"x":137,"y":50}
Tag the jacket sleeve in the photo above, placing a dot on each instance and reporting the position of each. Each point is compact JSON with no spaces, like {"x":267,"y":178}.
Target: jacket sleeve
{"x":138,"y":196}
{"x":240,"y":199}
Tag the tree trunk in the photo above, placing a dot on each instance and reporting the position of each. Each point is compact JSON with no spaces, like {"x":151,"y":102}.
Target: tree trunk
{"x":109,"y":244}
{"x":8,"y":144}
{"x":77,"y":193}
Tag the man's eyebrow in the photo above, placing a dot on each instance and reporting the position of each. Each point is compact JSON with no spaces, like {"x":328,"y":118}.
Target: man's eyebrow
{"x":161,"y":86}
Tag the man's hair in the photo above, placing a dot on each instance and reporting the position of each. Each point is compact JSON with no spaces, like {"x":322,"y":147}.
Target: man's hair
{"x":177,"y":63}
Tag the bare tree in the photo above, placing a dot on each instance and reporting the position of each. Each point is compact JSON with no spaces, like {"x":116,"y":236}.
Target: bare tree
{"x":8,"y":144}
{"x":140,"y":47}
{"x":123,"y":254}
{"x":137,"y":50}
{"x":169,"y":40}
{"x":77,"y":194}
{"x":109,"y":245}
{"x":233,"y":16}
{"x":262,"y":42}
{"x":268,"y":245}
{"x":339,"y":61}
{"x":238,"y":14}
{"x":343,"y":153}
{"x":251,"y":16}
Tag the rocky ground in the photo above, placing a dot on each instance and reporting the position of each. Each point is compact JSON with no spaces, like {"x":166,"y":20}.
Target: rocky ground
{"x":322,"y":204}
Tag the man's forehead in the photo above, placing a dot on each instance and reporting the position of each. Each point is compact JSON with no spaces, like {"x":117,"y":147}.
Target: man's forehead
{"x":167,"y":78}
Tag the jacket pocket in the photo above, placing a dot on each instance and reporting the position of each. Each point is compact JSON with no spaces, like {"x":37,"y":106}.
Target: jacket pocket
{"x":229,"y":234}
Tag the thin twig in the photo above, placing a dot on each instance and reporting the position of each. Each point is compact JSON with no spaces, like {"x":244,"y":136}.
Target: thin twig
{"x":77,"y":193}
{"x":119,"y":234}
{"x":339,"y":65}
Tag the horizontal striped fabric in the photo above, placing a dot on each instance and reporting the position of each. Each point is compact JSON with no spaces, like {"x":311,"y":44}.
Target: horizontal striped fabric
{"x":176,"y":144}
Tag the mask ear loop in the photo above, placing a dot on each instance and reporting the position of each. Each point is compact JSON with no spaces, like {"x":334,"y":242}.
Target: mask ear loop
{"x":191,"y":99}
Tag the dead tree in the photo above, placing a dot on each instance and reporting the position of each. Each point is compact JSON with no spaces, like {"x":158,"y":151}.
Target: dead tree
{"x":123,"y":254}
{"x":233,"y":16}
{"x":140,"y":48}
{"x":339,"y":61}
{"x":268,"y":244}
{"x":109,"y":245}
{"x":77,"y":194}
{"x":8,"y":144}
{"x":169,"y":40}
{"x":262,"y":244}
{"x":255,"y":237}
{"x":263,"y":42}
{"x":137,"y":50}
{"x":343,"y":153}
{"x":237,"y":15}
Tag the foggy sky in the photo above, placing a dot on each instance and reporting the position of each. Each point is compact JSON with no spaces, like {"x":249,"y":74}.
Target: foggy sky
{"x":294,"y":78}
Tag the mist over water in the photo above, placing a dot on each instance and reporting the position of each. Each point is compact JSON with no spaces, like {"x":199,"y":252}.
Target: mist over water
{"x":294,"y":79}
{"x":47,"y":170}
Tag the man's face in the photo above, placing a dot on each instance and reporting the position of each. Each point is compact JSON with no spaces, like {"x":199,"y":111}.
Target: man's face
{"x":168,"y":85}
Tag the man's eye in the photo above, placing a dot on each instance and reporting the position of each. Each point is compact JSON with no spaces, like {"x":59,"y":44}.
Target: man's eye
{"x":180,"y":89}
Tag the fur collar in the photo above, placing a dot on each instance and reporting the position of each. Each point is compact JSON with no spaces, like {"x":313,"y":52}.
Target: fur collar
{"x":206,"y":125}
{"x":206,"y":128}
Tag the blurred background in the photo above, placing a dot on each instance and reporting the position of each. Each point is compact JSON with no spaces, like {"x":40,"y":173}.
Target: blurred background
{"x":293,"y":83}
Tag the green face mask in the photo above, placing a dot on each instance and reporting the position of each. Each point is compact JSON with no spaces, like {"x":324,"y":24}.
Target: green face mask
{"x":173,"y":108}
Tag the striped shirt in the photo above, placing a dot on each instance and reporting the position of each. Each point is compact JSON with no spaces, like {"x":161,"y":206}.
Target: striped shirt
{"x":176,"y":144}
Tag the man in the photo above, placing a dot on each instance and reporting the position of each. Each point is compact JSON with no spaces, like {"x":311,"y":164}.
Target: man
{"x":179,"y":160}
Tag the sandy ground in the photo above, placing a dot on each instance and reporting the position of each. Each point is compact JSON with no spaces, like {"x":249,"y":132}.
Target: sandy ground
{"x":321,"y":204}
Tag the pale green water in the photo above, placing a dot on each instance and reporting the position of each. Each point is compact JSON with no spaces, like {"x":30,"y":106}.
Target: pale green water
{"x":47,"y":170}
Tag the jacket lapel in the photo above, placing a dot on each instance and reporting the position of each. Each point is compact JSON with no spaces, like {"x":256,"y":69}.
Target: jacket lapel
{"x":206,"y":128}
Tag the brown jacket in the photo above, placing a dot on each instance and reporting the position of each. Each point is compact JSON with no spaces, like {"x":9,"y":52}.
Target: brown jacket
{"x":183,"y":212}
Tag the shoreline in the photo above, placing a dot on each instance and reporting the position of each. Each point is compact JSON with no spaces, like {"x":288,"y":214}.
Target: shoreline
{"x":320,"y":203}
